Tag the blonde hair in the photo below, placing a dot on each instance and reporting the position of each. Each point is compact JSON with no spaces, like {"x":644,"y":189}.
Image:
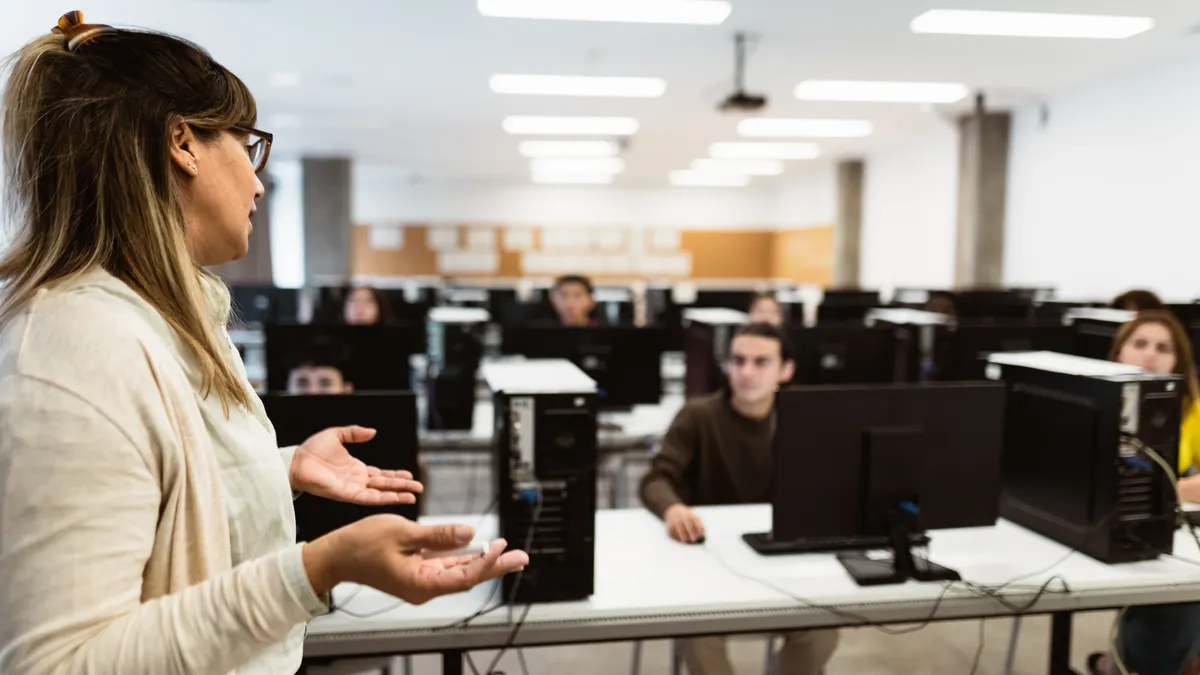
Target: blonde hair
{"x":1185,"y":362}
{"x":90,"y":180}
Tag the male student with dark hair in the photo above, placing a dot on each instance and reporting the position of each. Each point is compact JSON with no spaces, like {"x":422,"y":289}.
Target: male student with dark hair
{"x":320,"y":370}
{"x":573,"y":301}
{"x":718,"y":451}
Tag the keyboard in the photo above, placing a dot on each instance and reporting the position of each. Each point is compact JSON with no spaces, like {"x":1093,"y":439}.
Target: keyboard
{"x":765,"y":544}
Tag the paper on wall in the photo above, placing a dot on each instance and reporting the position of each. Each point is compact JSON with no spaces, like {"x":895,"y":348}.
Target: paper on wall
{"x":468,"y":262}
{"x":481,"y":238}
{"x":385,"y":237}
{"x":664,"y":239}
{"x":518,"y":239}
{"x":443,"y":238}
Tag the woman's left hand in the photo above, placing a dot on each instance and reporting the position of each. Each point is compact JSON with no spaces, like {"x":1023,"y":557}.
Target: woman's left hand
{"x":325,"y":468}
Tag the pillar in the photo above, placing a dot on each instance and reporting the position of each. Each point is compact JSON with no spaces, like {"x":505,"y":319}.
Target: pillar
{"x":847,"y":231}
{"x":327,"y":229}
{"x":982,"y":186}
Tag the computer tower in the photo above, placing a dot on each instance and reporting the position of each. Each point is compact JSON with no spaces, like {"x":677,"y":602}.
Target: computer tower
{"x":454,"y":349}
{"x":1071,"y":470}
{"x":545,"y":467}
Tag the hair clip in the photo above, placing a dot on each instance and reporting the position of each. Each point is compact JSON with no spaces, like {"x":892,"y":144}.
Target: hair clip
{"x":77,"y":32}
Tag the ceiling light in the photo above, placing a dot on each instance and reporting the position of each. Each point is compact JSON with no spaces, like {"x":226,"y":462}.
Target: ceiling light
{"x":746,"y":167}
{"x":568,"y":149}
{"x":703,"y":178}
{"x":1028,"y":24}
{"x":764,"y":150}
{"x":589,"y":165}
{"x":887,"y":92}
{"x":572,"y":178}
{"x":566,"y":85}
{"x":704,"y":12}
{"x":285,"y":79}
{"x":813,"y":128}
{"x":570,"y":126}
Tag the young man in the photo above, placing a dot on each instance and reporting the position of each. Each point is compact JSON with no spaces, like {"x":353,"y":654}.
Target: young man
{"x":319,"y":371}
{"x":718,"y":451}
{"x":572,"y":299}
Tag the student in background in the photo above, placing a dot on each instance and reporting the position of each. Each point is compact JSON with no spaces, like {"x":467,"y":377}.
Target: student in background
{"x":320,"y":371}
{"x":1138,"y":301}
{"x":942,"y":302}
{"x":1161,"y":639}
{"x":573,"y":301}
{"x":765,"y":308}
{"x":366,"y":306}
{"x":718,"y":451}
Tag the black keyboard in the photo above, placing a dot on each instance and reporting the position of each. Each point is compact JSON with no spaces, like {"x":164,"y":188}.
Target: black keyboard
{"x":765,"y":544}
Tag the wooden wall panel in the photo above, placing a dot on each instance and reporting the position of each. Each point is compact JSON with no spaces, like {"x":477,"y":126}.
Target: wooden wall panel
{"x":729,"y":254}
{"x":804,"y":256}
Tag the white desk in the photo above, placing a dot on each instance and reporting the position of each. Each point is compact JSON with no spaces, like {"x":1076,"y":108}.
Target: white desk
{"x":649,"y":587}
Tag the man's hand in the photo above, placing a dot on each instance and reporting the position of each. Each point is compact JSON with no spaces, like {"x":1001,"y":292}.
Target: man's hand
{"x":325,"y":468}
{"x":683,"y":524}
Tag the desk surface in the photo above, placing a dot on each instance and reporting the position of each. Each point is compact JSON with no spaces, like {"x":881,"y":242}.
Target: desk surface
{"x":648,"y":586}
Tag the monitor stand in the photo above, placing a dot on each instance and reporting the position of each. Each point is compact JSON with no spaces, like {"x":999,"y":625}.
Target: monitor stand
{"x":901,"y":567}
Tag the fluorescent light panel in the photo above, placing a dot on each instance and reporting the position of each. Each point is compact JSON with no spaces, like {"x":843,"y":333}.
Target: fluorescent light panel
{"x":571,"y":126}
{"x":568,"y":149}
{"x":884,"y":92}
{"x":569,"y":85}
{"x":706,"y":179}
{"x":572,"y":178}
{"x":590,"y":165}
{"x":764,"y":150}
{"x":745,"y":167}
{"x":702,"y":12}
{"x":810,"y":128}
{"x":1029,"y":24}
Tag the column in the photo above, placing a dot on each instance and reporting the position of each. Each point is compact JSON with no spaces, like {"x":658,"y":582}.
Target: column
{"x":847,"y":231}
{"x":255,"y":267}
{"x":982,"y":185}
{"x":327,"y":229}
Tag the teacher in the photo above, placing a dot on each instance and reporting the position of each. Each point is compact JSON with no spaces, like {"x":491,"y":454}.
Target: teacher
{"x":146,"y":523}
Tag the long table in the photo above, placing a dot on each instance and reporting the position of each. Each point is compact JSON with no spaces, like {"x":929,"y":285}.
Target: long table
{"x":649,"y":587}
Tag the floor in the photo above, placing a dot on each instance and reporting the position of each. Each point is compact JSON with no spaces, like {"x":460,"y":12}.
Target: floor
{"x":939,"y":649}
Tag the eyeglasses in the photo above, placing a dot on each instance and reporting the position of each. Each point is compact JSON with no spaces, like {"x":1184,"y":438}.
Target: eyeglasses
{"x":258,"y":146}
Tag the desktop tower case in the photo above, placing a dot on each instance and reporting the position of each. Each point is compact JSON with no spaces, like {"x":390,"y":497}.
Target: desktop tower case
{"x":545,"y":467}
{"x":454,"y":348}
{"x":1070,"y":471}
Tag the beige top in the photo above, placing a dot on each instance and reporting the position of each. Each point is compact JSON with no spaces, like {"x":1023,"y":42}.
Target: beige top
{"x":141,"y":531}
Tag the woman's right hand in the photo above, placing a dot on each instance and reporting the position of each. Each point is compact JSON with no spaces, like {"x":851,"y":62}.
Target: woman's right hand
{"x":385,"y":553}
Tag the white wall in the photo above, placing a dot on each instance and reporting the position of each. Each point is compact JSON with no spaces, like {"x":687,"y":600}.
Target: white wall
{"x":910,"y":196}
{"x":384,"y":195}
{"x":807,"y":199}
{"x":1106,"y":195}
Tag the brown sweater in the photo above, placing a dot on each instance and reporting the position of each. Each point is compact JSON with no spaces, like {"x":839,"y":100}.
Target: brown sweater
{"x":711,"y":455}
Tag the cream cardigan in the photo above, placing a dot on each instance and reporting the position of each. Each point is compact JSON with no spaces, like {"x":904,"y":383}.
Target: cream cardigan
{"x":141,"y":531}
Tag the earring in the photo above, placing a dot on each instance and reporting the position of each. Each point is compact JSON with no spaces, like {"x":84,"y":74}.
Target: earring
{"x":192,"y":166}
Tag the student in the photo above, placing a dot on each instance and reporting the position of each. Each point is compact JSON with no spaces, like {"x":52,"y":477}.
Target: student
{"x":765,"y":308}
{"x":1160,"y":640}
{"x":718,"y":451}
{"x":942,"y":302}
{"x":1138,"y":301}
{"x":147,"y":507}
{"x":572,"y":300}
{"x":366,"y":306}
{"x":320,"y":371}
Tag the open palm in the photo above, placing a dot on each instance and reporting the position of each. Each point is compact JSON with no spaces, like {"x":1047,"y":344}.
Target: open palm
{"x":325,"y":468}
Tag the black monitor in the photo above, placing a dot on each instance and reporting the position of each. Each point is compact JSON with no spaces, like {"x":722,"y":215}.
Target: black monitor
{"x":1188,"y":313}
{"x":1056,"y":309}
{"x":739,"y":300}
{"x":992,"y":305}
{"x":848,"y":354}
{"x":863,"y":467}
{"x":963,"y":354}
{"x":625,"y":361}
{"x":846,"y":306}
{"x":375,"y":357}
{"x":393,"y":415}
{"x":259,"y":305}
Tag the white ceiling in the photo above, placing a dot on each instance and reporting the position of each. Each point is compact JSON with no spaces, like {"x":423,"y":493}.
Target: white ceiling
{"x":404,"y":82}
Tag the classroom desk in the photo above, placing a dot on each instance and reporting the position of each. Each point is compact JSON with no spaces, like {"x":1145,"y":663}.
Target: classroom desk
{"x":649,"y":587}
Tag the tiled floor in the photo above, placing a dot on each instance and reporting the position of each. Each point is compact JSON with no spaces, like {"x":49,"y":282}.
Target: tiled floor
{"x":939,"y":649}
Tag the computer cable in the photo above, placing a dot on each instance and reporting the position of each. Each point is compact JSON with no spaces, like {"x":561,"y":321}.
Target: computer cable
{"x":512,"y":636}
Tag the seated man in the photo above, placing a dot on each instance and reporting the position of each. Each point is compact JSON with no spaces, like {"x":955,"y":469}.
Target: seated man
{"x":766,"y":308}
{"x":321,"y":370}
{"x":572,"y":300}
{"x":718,"y":451}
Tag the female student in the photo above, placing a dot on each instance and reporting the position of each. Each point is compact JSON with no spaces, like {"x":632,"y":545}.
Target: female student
{"x":147,"y":516}
{"x":1161,"y":640}
{"x":365,"y":306}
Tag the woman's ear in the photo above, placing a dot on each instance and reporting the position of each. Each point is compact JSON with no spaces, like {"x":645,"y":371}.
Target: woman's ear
{"x":183,"y":148}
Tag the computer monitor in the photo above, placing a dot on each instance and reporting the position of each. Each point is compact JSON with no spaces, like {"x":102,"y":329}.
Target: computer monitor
{"x":727,"y":299}
{"x":393,"y":415}
{"x":861,"y":467}
{"x":993,"y":305}
{"x":1188,"y":313}
{"x":259,"y":305}
{"x":625,"y":361}
{"x":375,"y":357}
{"x":838,"y":306}
{"x":848,"y":354}
{"x":963,"y":354}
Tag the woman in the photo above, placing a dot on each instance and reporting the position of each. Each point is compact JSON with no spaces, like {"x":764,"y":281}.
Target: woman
{"x":765,"y":308}
{"x":1160,"y":640}
{"x":146,"y":509}
{"x":1138,"y":301}
{"x":365,"y":306}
